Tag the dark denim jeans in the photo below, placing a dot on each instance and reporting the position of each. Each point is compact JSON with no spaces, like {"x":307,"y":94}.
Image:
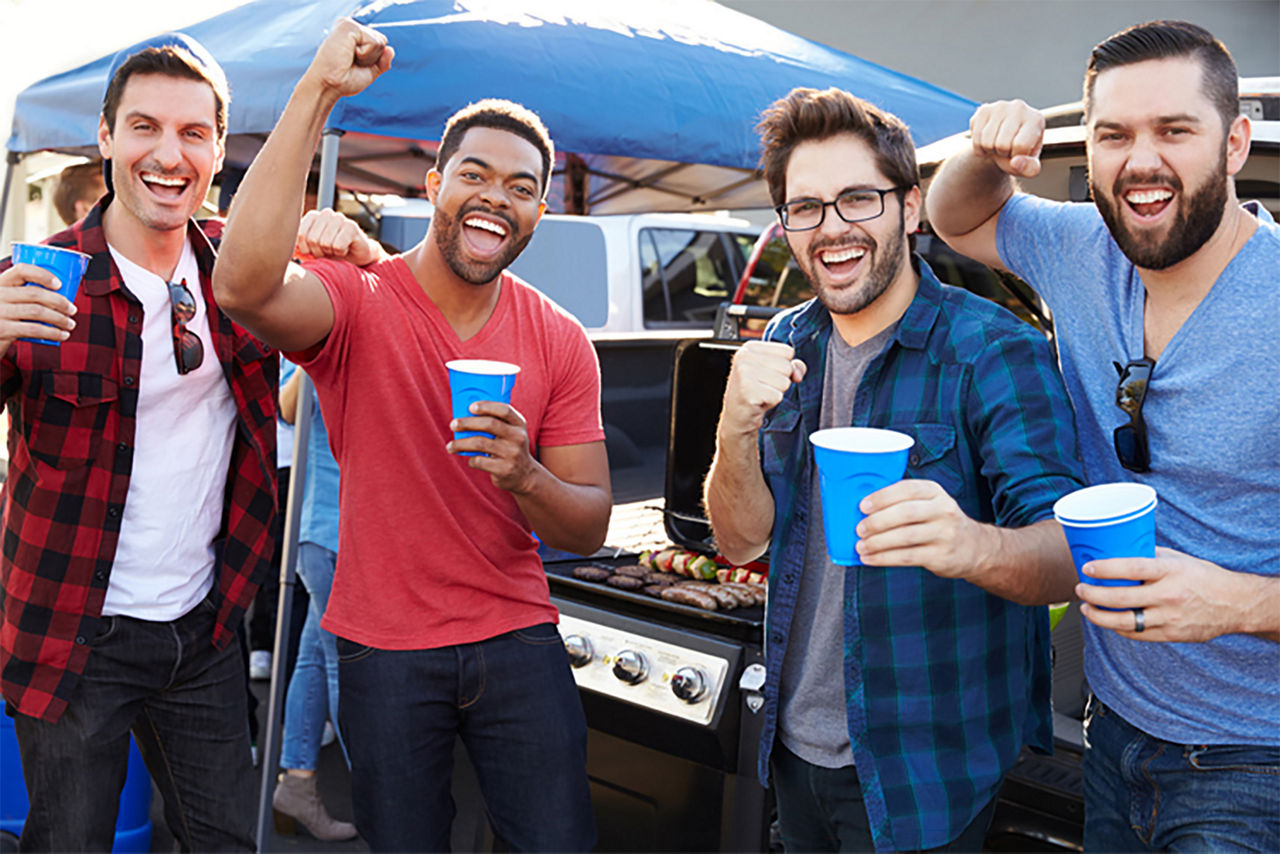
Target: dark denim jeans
{"x":1145,"y":794}
{"x":821,"y":809}
{"x":185,"y":704}
{"x":513,"y":701}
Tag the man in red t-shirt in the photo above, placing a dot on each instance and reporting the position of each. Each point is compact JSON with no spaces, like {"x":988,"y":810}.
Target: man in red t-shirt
{"x":439,"y":602}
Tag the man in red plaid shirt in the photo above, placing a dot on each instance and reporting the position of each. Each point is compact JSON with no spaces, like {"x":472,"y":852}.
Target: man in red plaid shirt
{"x":141,"y":487}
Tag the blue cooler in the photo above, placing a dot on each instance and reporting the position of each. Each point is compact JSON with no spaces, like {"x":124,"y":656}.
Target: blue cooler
{"x":133,"y":824}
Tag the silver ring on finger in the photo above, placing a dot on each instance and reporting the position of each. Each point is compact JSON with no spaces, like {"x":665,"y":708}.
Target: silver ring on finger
{"x":1139,"y":621}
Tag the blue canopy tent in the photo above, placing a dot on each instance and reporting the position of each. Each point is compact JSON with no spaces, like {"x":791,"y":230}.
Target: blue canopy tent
{"x":652,"y":107}
{"x":656,"y":101}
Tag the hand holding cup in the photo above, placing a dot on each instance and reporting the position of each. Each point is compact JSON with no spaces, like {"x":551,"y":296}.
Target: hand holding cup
{"x":37,"y":294}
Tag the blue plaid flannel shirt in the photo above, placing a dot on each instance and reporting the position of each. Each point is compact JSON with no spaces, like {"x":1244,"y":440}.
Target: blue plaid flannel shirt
{"x":944,"y":681}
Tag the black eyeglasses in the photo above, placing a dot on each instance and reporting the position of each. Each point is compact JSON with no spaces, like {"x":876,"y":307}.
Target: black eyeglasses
{"x":1131,"y":439}
{"x":850,"y":206}
{"x":188,"y":350}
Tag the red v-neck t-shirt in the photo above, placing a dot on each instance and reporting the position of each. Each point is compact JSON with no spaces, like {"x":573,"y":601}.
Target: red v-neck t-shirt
{"x":430,"y":552}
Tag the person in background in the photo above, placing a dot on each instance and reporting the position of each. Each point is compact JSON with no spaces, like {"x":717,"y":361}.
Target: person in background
{"x":80,"y":186}
{"x":312,"y":697}
{"x":440,"y":602}
{"x":939,"y":656}
{"x":141,"y":489}
{"x":1165,"y":293}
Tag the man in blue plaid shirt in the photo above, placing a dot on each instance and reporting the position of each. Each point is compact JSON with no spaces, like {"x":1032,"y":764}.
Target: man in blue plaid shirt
{"x":942,"y":655}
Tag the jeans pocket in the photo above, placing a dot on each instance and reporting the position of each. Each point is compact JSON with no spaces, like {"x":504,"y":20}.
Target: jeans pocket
{"x":539,"y":635}
{"x":349,"y":651}
{"x":1246,"y":758}
{"x":107,"y":627}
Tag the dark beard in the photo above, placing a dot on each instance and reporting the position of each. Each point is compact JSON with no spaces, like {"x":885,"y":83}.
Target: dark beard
{"x":1198,"y":218}
{"x":884,"y":270}
{"x":448,"y":232}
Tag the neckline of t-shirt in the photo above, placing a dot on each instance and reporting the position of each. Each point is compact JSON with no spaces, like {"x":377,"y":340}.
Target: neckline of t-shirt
{"x":405,"y":279}
{"x":132,"y":270}
{"x":1231,"y":275}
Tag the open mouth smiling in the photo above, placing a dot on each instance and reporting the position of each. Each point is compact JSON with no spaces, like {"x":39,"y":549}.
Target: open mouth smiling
{"x":842,"y":261}
{"x":485,"y":234}
{"x":165,"y":186}
{"x":1148,"y":202}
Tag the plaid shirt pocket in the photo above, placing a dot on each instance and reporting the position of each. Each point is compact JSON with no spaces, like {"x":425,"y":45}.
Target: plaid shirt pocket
{"x":71,"y":410}
{"x":934,"y":456}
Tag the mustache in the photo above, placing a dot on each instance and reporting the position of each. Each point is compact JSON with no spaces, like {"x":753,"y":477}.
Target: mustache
{"x":1132,"y":179}
{"x":824,"y":243}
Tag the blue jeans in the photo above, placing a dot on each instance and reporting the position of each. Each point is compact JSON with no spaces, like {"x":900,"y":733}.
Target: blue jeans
{"x":313,"y":688}
{"x":1145,"y":794}
{"x":185,"y":703}
{"x":513,"y":701}
{"x":821,"y":809}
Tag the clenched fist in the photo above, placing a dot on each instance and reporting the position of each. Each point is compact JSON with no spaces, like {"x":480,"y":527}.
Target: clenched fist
{"x":350,"y":58}
{"x":1010,"y":134}
{"x":761,"y":374}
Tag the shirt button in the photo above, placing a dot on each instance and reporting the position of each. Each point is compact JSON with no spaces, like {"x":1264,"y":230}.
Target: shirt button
{"x":122,"y":447}
{"x":790,"y":578}
{"x":915,"y":459}
{"x":99,"y":575}
{"x":113,"y":512}
{"x":80,"y":640}
{"x":128,"y":380}
{"x":133,"y":318}
{"x":776,"y":637}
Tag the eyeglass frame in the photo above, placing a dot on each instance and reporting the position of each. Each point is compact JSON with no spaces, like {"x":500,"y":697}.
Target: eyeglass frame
{"x":1130,"y":401}
{"x":780,"y":210}
{"x":180,"y":293}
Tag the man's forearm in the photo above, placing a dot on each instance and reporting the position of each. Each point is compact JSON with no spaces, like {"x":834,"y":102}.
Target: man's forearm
{"x":263,"y":224}
{"x":571,"y":517}
{"x":737,"y":499}
{"x":1030,"y":566}
{"x":966,"y":192}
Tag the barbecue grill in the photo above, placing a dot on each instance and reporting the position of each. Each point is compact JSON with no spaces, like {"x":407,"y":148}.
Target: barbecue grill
{"x":670,"y":691}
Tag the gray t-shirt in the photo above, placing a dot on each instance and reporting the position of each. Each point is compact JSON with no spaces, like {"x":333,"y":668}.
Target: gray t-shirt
{"x":1213,"y":424}
{"x":812,"y":714}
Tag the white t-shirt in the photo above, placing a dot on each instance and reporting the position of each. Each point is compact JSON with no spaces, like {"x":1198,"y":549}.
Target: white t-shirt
{"x":164,"y":561}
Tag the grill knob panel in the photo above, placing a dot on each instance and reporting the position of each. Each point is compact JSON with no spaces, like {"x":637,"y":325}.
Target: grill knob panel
{"x":689,"y":684}
{"x":631,"y":667}
{"x":579,"y":650}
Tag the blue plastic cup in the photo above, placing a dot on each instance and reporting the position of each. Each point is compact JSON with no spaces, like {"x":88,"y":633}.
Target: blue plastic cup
{"x":1107,"y":521}
{"x":67,"y":265}
{"x":472,"y":380}
{"x":854,"y":462}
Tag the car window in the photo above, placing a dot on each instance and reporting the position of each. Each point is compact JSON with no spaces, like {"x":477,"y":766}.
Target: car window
{"x":687,"y":273}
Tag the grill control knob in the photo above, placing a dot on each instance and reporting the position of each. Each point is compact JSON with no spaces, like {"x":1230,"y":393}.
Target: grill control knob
{"x":631,"y":667}
{"x":579,"y":650}
{"x":689,"y":684}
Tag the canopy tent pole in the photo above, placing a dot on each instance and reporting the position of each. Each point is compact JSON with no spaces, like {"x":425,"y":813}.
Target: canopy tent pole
{"x":12,"y":160}
{"x":270,"y":754}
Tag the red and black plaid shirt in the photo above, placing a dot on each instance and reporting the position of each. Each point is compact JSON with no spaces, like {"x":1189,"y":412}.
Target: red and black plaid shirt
{"x":72,"y":421}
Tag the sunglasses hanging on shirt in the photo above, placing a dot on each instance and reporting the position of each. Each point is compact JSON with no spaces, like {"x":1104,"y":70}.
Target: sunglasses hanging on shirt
{"x":188,"y":350}
{"x":1131,"y":392}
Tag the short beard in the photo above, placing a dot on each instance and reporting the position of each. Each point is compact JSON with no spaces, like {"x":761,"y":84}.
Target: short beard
{"x":448,"y":232}
{"x":884,"y":270}
{"x":1198,"y":218}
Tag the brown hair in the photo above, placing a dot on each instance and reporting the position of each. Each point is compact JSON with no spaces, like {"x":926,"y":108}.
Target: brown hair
{"x":78,"y":182}
{"x":1169,"y":40}
{"x":172,"y":61}
{"x":501,"y":115}
{"x":809,"y":114}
